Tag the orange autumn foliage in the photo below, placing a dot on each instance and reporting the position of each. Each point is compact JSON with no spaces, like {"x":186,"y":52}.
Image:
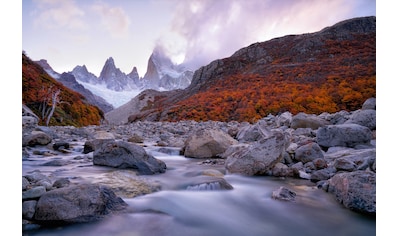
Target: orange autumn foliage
{"x":72,"y":110}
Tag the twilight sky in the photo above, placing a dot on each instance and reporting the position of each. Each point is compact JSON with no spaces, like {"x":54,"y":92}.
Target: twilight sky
{"x":68,"y":33}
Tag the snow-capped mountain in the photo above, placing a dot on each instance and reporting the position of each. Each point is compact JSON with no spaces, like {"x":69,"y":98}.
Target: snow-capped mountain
{"x":162,"y":74}
{"x":118,"y":88}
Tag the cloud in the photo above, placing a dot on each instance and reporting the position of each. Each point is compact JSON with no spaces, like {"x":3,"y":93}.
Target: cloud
{"x":205,"y":30}
{"x":113,"y":19}
{"x":64,"y":14}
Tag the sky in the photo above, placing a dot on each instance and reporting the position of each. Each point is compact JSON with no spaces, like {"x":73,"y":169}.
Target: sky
{"x":68,"y":33}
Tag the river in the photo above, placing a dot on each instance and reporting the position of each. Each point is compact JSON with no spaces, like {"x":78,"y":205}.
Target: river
{"x":247,"y":210}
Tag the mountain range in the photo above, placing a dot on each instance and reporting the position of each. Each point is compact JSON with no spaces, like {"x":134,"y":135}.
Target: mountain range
{"x":326,"y":71}
{"x":113,"y":87}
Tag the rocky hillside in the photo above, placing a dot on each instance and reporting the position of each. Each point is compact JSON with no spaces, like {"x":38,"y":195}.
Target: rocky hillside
{"x":326,"y":71}
{"x":40,"y":91}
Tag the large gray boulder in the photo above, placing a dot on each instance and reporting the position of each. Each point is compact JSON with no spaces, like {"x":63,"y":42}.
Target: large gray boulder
{"x":308,"y":152}
{"x":207,"y":143}
{"x":347,"y":135}
{"x":364,"y":117}
{"x":253,"y":133}
{"x":258,"y":158}
{"x":77,"y":204}
{"x":121,"y":154}
{"x":355,"y":190}
{"x":303,"y":120}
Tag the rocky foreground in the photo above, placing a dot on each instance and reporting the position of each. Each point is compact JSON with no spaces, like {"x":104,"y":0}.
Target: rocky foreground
{"x":336,"y":151}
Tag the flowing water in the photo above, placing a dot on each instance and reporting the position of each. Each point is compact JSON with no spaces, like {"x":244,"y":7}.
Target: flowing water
{"x":185,"y":207}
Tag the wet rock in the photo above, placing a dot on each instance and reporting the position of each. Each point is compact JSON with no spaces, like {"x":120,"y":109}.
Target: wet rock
{"x":205,"y":183}
{"x":284,"y":194}
{"x":25,"y":183}
{"x":60,"y":145}
{"x":36,"y":138}
{"x":28,"y":209}
{"x":77,"y":204}
{"x":126,"y":184}
{"x":57,"y":162}
{"x":355,"y":190}
{"x":33,"y":193}
{"x":61,"y":183}
{"x":323,"y":174}
{"x":120,"y":154}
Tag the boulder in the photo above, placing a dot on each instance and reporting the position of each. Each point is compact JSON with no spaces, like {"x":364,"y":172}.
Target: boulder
{"x":253,"y":133}
{"x":303,"y":120}
{"x":370,"y":104}
{"x":284,"y":119}
{"x":36,"y":138}
{"x":207,"y":143}
{"x":284,"y":194}
{"x":355,"y":190}
{"x":308,"y":152}
{"x":258,"y":158}
{"x":121,"y":154}
{"x":77,"y":204}
{"x":364,"y":117}
{"x":347,"y":135}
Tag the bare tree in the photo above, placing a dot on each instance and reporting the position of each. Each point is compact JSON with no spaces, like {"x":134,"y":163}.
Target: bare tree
{"x":55,"y":100}
{"x":50,"y":99}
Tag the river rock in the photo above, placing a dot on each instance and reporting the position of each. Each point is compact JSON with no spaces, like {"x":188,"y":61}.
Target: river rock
{"x":206,"y":183}
{"x":207,"y":143}
{"x":347,"y":135}
{"x":308,"y":152}
{"x":28,"y":209}
{"x":303,"y":120}
{"x":36,"y":138}
{"x":33,"y":193}
{"x":355,"y":190}
{"x":258,"y":158}
{"x":284,"y":194}
{"x":77,"y":204}
{"x":121,"y":154}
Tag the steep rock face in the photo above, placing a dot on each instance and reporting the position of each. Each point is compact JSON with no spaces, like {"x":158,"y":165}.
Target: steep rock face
{"x":69,"y":81}
{"x":82,"y":74}
{"x":162,"y":74}
{"x":44,"y":64}
{"x":330,"y":70}
{"x":114,"y":78}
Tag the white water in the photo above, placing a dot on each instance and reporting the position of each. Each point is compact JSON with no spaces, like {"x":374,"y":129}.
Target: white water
{"x":248,"y":209}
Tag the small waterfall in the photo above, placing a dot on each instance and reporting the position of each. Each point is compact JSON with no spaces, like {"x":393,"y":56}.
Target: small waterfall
{"x":205,"y":186}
